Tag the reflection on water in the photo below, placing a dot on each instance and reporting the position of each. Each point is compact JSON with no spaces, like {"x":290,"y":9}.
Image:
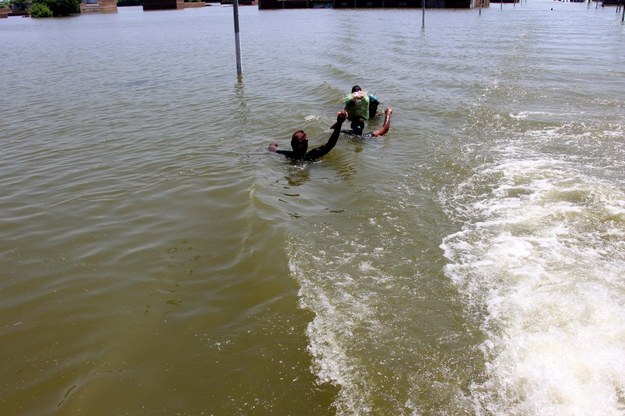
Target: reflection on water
{"x":298,"y":175}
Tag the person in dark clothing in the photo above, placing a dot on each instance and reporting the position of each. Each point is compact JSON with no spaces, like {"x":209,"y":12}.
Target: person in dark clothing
{"x":299,"y":143}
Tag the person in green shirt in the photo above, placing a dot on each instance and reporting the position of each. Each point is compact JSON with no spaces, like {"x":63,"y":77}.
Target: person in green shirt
{"x":360,"y":106}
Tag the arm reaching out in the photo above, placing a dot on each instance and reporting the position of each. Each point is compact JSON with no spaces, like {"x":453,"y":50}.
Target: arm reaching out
{"x":329,"y":145}
{"x":387,"y":123}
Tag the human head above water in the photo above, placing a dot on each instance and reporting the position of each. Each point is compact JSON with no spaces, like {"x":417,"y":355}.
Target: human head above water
{"x":299,"y":141}
{"x":356,"y":88}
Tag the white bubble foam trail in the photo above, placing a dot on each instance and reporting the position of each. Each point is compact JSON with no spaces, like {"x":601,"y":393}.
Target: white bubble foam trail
{"x":340,"y":311}
{"x":540,"y":262}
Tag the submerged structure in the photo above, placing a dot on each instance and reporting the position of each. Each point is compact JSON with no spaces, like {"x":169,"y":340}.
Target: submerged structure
{"x":98,"y":6}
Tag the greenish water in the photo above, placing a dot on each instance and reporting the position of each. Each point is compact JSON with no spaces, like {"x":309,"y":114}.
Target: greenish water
{"x":157,"y":260}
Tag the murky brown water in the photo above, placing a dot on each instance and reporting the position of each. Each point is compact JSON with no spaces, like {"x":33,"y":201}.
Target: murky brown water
{"x":156,"y":260}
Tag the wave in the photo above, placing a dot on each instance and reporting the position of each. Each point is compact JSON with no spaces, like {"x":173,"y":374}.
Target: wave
{"x":539,"y":263}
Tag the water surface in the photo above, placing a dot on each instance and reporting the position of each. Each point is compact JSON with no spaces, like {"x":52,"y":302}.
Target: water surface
{"x":157,"y":260}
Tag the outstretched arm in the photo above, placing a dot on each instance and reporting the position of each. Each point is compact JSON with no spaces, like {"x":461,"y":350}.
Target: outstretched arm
{"x":273,"y":147}
{"x":340,"y":118}
{"x":387,"y":123}
{"x":325,"y":148}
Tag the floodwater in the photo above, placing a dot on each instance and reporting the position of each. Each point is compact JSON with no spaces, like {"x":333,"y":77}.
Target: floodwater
{"x":155,"y":259}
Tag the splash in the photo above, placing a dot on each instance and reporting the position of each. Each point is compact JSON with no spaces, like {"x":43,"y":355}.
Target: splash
{"x":539,"y":263}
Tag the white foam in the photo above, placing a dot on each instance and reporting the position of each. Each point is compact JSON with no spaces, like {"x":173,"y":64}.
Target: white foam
{"x":522,"y":115}
{"x":341,"y":309}
{"x":616,"y":212}
{"x":540,"y":262}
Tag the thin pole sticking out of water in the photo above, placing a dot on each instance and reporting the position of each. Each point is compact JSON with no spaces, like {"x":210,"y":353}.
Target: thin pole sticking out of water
{"x":623,"y":17}
{"x":480,"y":7}
{"x":423,"y":15}
{"x":237,"y":41}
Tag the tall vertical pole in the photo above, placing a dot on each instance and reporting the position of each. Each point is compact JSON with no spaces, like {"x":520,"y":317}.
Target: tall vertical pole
{"x":480,"y":7}
{"x":237,"y":41}
{"x":423,"y":15}
{"x":623,"y":17}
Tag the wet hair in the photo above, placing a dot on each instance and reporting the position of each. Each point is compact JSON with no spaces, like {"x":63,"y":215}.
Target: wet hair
{"x":356,"y":88}
{"x":297,"y":139}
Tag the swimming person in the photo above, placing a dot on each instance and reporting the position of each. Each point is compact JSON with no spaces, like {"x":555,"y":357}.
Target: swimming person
{"x":361,"y":106}
{"x":299,"y":143}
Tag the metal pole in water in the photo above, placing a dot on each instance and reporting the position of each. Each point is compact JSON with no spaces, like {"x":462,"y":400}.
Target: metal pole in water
{"x":237,"y":41}
{"x":480,"y":7}
{"x":423,"y":15}
{"x":623,"y":17}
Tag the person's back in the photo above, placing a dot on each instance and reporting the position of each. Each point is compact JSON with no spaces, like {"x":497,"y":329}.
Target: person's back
{"x":361,"y":106}
{"x":357,"y":105}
